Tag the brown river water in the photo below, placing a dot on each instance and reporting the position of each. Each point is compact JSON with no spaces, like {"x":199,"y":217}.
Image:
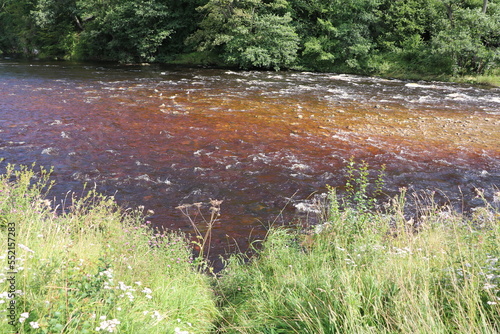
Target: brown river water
{"x":263,"y":142}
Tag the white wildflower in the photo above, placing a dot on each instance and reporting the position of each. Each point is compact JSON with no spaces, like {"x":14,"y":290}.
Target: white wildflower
{"x":156,"y":315}
{"x":108,"y":273}
{"x":108,"y":325}
{"x":177,"y":330}
{"x":34,"y":324}
{"x":23,"y":317}
{"x":123,"y":286}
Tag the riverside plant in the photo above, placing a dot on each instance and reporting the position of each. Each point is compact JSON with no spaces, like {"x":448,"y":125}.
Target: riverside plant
{"x":203,"y":228}
{"x":371,"y":272}
{"x":92,"y":267}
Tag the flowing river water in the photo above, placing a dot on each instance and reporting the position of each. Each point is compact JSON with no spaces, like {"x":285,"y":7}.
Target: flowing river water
{"x":263,"y":142}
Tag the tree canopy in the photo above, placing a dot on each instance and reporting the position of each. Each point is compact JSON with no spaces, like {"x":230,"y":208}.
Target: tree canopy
{"x":362,"y":36}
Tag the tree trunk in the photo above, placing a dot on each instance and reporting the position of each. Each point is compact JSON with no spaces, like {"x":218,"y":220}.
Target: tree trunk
{"x":485,"y":6}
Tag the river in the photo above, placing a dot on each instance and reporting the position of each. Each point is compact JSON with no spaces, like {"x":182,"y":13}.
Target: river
{"x":264,"y":142}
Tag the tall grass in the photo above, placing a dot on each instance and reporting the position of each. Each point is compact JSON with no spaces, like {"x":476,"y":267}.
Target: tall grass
{"x":369,"y":272}
{"x":92,"y":267}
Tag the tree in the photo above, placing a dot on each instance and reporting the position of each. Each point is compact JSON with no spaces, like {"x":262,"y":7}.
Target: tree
{"x":124,"y":30}
{"x":57,"y":23}
{"x":248,"y":33}
{"x":336,"y":34}
{"x":17,"y":29}
{"x":470,"y":37}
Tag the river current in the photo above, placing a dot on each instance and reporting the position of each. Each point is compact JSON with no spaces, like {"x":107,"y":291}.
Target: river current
{"x":264,"y":142}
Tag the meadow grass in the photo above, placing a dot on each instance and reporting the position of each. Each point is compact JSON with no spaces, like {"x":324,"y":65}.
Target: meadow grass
{"x":369,"y":272}
{"x":91,"y":267}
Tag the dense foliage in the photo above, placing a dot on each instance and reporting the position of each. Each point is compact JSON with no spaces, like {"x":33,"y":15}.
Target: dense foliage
{"x":363,"y":36}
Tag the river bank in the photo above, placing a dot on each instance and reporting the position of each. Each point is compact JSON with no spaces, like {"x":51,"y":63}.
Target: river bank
{"x":202,"y":60}
{"x":391,"y":70}
{"x":99,"y":268}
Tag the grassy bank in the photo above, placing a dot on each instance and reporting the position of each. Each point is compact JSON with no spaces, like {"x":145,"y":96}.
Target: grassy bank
{"x":371,"y":273}
{"x":94,"y":268}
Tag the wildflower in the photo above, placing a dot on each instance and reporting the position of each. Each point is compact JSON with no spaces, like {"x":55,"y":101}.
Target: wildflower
{"x":177,"y":330}
{"x":491,"y":303}
{"x":156,"y":315}
{"x":123,"y":286}
{"x":108,"y":273}
{"x":34,"y":324}
{"x":147,"y":291}
{"x":108,"y":325}
{"x":23,"y":317}
{"x":130,"y":296}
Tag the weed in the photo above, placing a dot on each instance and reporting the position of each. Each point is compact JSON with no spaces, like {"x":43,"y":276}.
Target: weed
{"x":203,"y":242}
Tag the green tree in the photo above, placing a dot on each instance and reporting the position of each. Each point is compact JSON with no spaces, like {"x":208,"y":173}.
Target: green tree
{"x":123,"y":30}
{"x":469,"y":38}
{"x":57,"y":24}
{"x":248,"y":33}
{"x":336,"y":34}
{"x":17,"y":29}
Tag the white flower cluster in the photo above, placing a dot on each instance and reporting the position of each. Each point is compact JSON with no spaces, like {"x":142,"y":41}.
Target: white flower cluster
{"x":108,"y":325}
{"x":23,"y":317}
